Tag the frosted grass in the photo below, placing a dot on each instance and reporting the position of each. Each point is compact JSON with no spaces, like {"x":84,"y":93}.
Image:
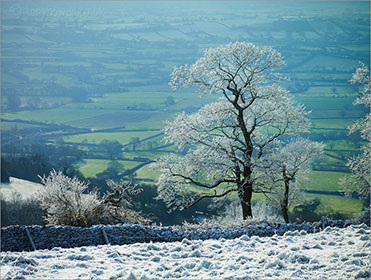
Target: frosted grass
{"x":331,"y":254}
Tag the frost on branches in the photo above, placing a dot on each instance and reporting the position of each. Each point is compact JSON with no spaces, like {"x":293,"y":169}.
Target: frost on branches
{"x":224,"y":142}
{"x":360,"y":165}
{"x":68,"y":201}
{"x":286,"y":168}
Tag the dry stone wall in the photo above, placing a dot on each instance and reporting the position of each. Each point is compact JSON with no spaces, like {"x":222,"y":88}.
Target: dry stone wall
{"x":15,"y":238}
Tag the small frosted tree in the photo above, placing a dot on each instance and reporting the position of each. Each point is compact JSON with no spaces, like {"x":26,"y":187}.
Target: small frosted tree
{"x":68,"y":201}
{"x":282,"y":169}
{"x":360,"y":165}
{"x":226,"y":139}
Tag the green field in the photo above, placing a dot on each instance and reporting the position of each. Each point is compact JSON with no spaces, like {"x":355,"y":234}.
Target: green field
{"x":122,"y":137}
{"x":326,"y":181}
{"x":147,"y":172}
{"x":332,"y":123}
{"x":59,"y":115}
{"x":332,"y":203}
{"x":91,"y":167}
{"x":327,"y":103}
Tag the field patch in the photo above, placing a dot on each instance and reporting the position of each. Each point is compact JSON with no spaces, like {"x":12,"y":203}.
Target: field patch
{"x":26,"y":189}
{"x":58,"y":115}
{"x":175,"y":35}
{"x":337,"y":204}
{"x":332,"y":91}
{"x":332,"y":123}
{"x":326,"y":103}
{"x":114,"y":119}
{"x":328,"y":62}
{"x":123,"y":137}
{"x":326,"y":181}
{"x":152,"y":37}
{"x":337,"y":114}
{"x":147,"y":173}
{"x":91,"y":167}
{"x":16,"y":125}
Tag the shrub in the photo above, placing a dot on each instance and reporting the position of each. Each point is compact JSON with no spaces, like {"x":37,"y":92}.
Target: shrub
{"x":306,"y":211}
{"x":231,"y":216}
{"x":68,"y":201}
{"x":363,"y":217}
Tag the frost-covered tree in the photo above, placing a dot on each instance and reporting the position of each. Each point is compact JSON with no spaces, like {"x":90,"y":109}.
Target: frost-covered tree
{"x":360,"y":165}
{"x":225,"y":140}
{"x":282,"y":169}
{"x":68,"y":201}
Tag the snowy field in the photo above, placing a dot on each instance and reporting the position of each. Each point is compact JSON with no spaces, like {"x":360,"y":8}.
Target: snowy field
{"x":26,"y":189}
{"x":331,"y":254}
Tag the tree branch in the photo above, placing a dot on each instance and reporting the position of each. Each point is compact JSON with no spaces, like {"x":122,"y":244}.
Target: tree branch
{"x":203,"y":185}
{"x":209,"y":196}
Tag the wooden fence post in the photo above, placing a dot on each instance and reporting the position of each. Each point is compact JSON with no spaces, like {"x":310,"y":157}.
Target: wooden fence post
{"x":30,"y":238}
{"x":105,"y":236}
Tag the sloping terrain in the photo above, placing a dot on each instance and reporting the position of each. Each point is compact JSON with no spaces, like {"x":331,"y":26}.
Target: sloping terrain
{"x":25,"y":188}
{"x":330,"y":254}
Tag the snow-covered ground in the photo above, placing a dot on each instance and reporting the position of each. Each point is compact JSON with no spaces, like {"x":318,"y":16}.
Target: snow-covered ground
{"x":331,"y":254}
{"x":26,"y":189}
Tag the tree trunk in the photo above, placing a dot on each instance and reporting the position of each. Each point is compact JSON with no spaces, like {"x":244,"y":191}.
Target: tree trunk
{"x":285,"y":202}
{"x":246,"y":202}
{"x":285,"y":214}
{"x":245,"y":190}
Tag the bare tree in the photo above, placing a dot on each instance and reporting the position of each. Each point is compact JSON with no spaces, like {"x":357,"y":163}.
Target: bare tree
{"x":360,"y":165}
{"x":225,"y":139}
{"x":281,"y":170}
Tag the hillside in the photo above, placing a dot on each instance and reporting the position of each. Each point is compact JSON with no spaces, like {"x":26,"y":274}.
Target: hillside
{"x":85,"y":84}
{"x":24,"y":188}
{"x":330,"y":254}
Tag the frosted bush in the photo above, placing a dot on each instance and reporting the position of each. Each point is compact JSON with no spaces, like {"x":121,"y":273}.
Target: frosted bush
{"x":231,"y":217}
{"x":68,"y":201}
{"x":265,"y":213}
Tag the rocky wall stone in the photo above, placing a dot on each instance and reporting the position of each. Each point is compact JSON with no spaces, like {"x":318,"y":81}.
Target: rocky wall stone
{"x":14,"y":238}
